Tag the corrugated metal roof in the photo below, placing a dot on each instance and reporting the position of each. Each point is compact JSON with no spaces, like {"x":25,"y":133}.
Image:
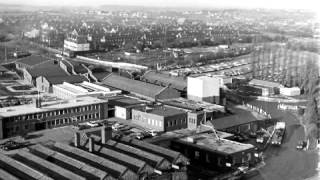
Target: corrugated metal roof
{"x":155,"y":161}
{"x":173,"y":156}
{"x":70,"y":161}
{"x":7,"y":176}
{"x":59,"y":170}
{"x":115,"y":169}
{"x":135,"y":164}
{"x":22,"y":168}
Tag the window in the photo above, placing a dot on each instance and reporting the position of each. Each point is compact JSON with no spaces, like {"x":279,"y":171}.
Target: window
{"x":196,"y":154}
{"x":57,"y":122}
{"x":207,"y":158}
{"x":26,"y":126}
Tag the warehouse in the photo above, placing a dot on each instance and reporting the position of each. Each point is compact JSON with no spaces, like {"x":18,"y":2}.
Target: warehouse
{"x":140,"y":89}
{"x":121,"y":106}
{"x":161,"y":118}
{"x":217,"y":153}
{"x":71,"y":91}
{"x":267,"y":87}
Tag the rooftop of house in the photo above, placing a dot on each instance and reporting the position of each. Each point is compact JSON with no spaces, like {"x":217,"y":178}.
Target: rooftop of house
{"x":48,"y":106}
{"x":211,"y":143}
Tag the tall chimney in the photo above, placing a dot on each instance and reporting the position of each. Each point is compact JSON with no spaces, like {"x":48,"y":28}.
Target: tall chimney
{"x":91,"y":144}
{"x":76,"y":139}
{"x":106,"y":133}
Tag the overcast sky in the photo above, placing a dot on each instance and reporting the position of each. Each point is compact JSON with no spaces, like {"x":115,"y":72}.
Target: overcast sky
{"x":288,"y":4}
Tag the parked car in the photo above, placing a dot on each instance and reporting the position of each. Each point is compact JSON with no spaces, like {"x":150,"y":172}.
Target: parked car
{"x":152,"y":132}
{"x":92,"y":124}
{"x":301,"y":145}
{"x":10,"y":145}
{"x":142,"y":135}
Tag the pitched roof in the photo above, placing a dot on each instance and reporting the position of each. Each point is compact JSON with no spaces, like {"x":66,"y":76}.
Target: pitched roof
{"x":47,"y":69}
{"x":3,"y":69}
{"x":132,"y":86}
{"x":69,"y":79}
{"x":263,"y":83}
{"x":33,"y":60}
{"x":178,"y":83}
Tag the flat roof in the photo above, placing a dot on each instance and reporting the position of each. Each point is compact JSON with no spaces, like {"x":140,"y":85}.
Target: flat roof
{"x":193,"y":105}
{"x":125,"y":101}
{"x":264,"y":83}
{"x":49,"y":106}
{"x":211,"y":143}
{"x":165,"y":111}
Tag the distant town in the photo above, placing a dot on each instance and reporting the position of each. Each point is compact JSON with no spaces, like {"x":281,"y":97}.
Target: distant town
{"x":136,"y":93}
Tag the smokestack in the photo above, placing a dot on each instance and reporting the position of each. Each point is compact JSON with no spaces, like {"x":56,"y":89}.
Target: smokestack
{"x":76,"y":139}
{"x":106,"y":133}
{"x":91,"y":144}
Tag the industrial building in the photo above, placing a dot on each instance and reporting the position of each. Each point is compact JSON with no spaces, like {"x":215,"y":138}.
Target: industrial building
{"x":265,"y":88}
{"x":204,"y":88}
{"x":45,"y":83}
{"x":198,"y":111}
{"x":17,"y":120}
{"x":160,"y":118}
{"x":71,"y":91}
{"x":215,"y":152}
{"x":294,"y":91}
{"x":140,"y":89}
{"x":121,"y":106}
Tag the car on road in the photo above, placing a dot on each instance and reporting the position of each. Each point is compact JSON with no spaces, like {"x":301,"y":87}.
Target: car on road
{"x":152,"y":132}
{"x":91,"y":124}
{"x":142,"y":135}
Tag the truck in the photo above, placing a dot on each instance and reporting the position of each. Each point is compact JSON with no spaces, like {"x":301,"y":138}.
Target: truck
{"x":279,"y":132}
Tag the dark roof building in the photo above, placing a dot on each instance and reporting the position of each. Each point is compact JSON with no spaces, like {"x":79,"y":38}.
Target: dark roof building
{"x":139,"y":88}
{"x":70,"y":79}
{"x":31,"y":61}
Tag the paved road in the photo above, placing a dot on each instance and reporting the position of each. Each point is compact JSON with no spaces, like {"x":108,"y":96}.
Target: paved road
{"x":285,"y":162}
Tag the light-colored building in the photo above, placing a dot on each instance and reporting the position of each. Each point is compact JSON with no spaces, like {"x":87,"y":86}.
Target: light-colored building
{"x":161,"y":118}
{"x":22,"y":119}
{"x":71,"y":91}
{"x":76,"y":42}
{"x":204,"y":88}
{"x":294,"y":91}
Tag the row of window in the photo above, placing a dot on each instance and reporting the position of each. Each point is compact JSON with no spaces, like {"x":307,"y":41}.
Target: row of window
{"x":15,"y":129}
{"x":149,"y":121}
{"x":192,"y":120}
{"x":175,"y":122}
{"x":54,"y":113}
